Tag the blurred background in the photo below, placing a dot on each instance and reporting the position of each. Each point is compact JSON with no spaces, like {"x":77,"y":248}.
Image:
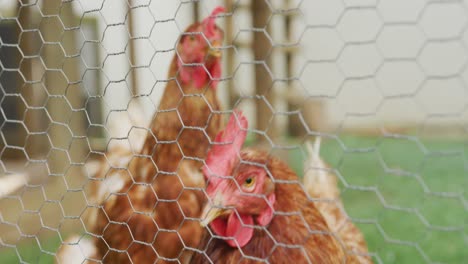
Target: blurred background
{"x":385,"y":83}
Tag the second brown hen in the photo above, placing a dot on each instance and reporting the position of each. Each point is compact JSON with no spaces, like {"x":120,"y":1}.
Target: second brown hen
{"x":153,"y":216}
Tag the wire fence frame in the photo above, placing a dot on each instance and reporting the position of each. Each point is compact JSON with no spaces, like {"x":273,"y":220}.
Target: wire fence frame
{"x":48,"y":129}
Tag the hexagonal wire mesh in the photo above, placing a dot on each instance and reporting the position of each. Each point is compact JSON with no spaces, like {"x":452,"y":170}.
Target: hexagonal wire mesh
{"x":88,"y":173}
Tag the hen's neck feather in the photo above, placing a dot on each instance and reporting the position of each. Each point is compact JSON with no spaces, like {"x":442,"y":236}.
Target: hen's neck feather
{"x":185,"y":116}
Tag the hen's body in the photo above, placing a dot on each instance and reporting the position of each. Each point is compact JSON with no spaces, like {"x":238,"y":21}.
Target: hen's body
{"x":146,"y":218}
{"x":300,"y":232}
{"x":153,"y":218}
{"x":322,"y":184}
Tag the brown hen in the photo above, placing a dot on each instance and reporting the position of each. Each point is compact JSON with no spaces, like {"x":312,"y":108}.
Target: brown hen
{"x":258,"y":211}
{"x":153,"y":217}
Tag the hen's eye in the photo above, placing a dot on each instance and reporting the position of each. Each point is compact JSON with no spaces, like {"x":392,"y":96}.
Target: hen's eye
{"x":249,"y":182}
{"x":192,"y":37}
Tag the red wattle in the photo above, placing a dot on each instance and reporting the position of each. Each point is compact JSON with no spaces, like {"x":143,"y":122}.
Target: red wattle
{"x":238,"y":229}
{"x":197,"y":74}
{"x":233,"y":227}
{"x":219,"y":226}
{"x":200,"y":77}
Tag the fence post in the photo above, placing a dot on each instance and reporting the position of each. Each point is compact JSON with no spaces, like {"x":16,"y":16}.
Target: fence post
{"x":131,"y":47}
{"x":35,"y":121}
{"x":61,"y":56}
{"x":262,"y":48}
{"x":229,"y":59}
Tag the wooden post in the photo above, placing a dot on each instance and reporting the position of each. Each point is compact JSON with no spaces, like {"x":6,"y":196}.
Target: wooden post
{"x":263,"y":80}
{"x":196,"y":11}
{"x":69,"y":132}
{"x":34,"y":120}
{"x":294,"y":122}
{"x":311,"y":111}
{"x":229,"y":59}
{"x":131,"y":46}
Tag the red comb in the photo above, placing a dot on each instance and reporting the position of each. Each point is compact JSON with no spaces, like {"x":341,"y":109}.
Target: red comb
{"x":209,"y":22}
{"x":227,"y":146}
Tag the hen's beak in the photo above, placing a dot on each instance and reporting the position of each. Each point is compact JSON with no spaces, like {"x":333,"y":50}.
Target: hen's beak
{"x":214,"y":50}
{"x":216,"y":53}
{"x":213,"y":210}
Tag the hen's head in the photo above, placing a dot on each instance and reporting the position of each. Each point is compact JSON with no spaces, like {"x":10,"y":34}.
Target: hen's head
{"x":240,"y":191}
{"x":199,"y":56}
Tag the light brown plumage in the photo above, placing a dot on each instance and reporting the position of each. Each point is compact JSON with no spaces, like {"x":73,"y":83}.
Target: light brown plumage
{"x":321,"y":184}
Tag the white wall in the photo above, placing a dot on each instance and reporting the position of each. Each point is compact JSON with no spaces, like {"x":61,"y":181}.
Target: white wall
{"x":389,"y":62}
{"x":153,"y":44}
{"x":377,"y":63}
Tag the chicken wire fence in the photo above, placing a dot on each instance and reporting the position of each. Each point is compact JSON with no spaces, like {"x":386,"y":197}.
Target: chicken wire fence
{"x":383,"y":83}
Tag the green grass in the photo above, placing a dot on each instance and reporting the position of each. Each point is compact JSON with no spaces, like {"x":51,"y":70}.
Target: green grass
{"x":403,"y":220}
{"x":401,"y":214}
{"x":30,"y":250}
